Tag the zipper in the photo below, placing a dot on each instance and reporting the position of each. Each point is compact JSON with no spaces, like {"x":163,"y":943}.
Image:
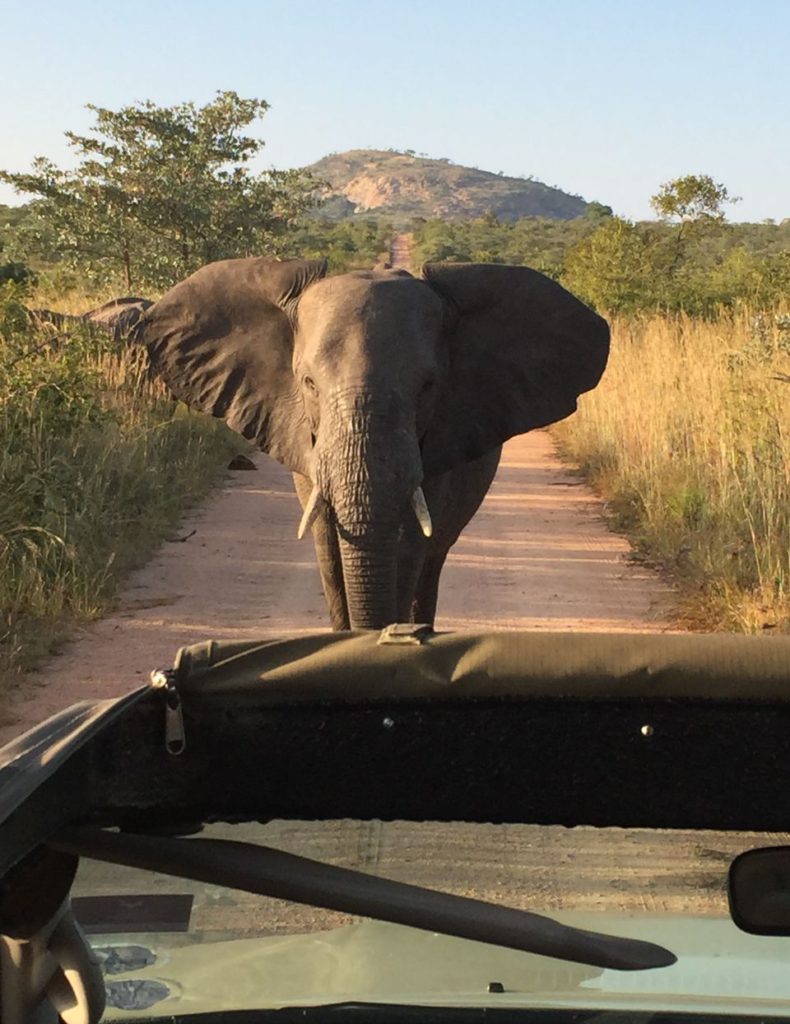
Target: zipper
{"x":175,"y":737}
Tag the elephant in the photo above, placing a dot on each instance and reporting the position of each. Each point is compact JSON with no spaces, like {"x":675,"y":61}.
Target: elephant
{"x":388,"y":397}
{"x":116,"y":317}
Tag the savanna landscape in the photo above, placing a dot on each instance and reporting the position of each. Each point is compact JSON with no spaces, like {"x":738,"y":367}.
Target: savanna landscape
{"x":394,"y":488}
{"x":686,"y":439}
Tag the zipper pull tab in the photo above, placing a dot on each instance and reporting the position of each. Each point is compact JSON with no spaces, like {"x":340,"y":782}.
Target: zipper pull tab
{"x":175,"y":737}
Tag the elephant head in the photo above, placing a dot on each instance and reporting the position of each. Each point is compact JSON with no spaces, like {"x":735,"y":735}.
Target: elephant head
{"x":368,"y":383}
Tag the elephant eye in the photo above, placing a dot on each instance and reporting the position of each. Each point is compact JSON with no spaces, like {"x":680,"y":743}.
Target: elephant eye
{"x":310,"y":384}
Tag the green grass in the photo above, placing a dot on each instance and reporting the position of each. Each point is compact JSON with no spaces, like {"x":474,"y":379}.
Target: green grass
{"x":688,"y":438}
{"x":96,"y":467}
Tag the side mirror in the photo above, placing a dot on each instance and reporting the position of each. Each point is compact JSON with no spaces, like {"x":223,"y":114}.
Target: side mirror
{"x":758,"y":888}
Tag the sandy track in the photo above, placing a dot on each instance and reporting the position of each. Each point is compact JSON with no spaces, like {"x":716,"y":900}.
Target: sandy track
{"x":536,"y":556}
{"x":539,"y":556}
{"x":401,"y":251}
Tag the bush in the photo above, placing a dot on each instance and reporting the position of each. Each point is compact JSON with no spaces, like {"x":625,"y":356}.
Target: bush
{"x":96,"y":463}
{"x":16,"y":272}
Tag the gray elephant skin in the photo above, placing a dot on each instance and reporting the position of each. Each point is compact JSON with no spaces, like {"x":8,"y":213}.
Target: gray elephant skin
{"x":386,"y":395}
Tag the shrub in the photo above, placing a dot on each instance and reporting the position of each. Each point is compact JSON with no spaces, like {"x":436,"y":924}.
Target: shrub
{"x":95,"y":464}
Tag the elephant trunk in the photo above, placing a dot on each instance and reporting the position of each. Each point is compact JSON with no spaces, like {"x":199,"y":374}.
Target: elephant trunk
{"x":368,"y":469}
{"x":370,"y":575}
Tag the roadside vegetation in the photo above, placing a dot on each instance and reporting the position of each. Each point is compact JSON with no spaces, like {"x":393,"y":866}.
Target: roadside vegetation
{"x":695,"y":263}
{"x":688,"y":435}
{"x":96,"y":466}
{"x":688,"y":439}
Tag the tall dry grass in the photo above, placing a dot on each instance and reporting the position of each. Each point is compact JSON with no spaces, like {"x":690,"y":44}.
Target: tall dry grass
{"x":96,"y":466}
{"x":688,"y":436}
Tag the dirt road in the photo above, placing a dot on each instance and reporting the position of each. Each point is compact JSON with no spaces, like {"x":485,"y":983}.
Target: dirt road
{"x":401,"y":250}
{"x":536,"y":556}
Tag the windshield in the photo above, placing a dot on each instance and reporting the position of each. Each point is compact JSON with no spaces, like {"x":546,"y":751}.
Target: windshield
{"x":170,"y":946}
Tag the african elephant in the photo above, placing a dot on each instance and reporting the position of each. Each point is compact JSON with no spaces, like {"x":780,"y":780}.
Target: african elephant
{"x":387,"y":396}
{"x":118,"y":316}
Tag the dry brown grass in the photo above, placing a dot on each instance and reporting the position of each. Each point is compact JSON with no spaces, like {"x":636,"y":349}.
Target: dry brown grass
{"x":688,"y":437}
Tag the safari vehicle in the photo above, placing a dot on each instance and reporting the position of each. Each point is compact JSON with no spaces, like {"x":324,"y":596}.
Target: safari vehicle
{"x":172,"y":823}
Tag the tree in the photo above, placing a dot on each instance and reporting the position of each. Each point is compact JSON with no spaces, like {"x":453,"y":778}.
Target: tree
{"x":160,"y":191}
{"x":597,"y":211}
{"x":610,"y":268}
{"x":695,"y":197}
{"x":696,"y":201}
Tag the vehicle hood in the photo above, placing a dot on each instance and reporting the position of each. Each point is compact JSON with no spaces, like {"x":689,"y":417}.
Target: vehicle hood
{"x":719,"y":969}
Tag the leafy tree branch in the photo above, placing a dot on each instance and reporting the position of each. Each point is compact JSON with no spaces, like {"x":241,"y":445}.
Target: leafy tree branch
{"x":160,"y":191}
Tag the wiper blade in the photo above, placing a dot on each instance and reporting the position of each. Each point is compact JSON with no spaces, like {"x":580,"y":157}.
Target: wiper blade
{"x":268,"y":872}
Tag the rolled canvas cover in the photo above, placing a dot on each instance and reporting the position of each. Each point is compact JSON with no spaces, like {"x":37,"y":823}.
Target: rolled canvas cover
{"x":358,"y":668}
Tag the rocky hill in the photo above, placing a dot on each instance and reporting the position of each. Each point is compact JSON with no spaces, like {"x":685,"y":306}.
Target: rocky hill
{"x":404,"y":185}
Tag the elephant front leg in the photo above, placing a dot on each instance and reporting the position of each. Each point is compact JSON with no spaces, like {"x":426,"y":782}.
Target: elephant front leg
{"x":328,"y":555}
{"x":453,"y":498}
{"x":427,"y":590}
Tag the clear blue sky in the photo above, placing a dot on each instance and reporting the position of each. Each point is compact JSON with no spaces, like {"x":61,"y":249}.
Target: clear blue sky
{"x":606,"y":98}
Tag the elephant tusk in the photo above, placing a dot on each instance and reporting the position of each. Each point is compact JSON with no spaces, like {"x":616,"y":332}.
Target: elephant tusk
{"x":311,"y":511}
{"x":420,"y":507}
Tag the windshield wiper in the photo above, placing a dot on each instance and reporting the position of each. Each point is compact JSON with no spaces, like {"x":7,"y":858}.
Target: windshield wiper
{"x":269,"y":872}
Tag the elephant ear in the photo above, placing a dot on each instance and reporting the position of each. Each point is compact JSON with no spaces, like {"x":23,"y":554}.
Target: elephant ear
{"x":521,"y":349}
{"x":222,"y":340}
